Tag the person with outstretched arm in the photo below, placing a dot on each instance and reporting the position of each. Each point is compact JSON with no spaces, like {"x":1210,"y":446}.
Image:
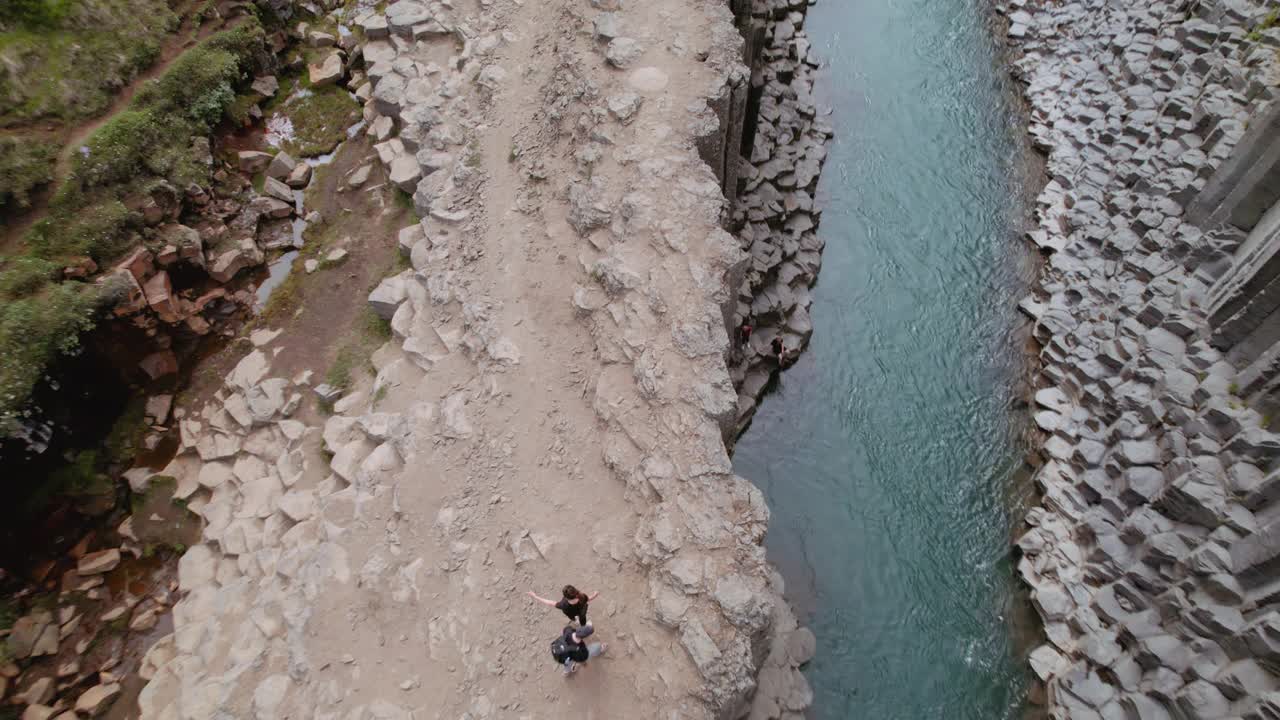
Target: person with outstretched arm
{"x":573,"y":604}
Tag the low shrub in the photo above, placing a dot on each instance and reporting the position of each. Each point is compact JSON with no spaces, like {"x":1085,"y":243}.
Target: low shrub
{"x":33,"y":331}
{"x":100,"y":231}
{"x":25,"y":276}
{"x":65,"y":59}
{"x":34,"y":13}
{"x":25,"y":164}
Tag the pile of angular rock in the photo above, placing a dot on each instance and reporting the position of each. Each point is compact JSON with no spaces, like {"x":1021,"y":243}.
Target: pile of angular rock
{"x":199,"y":235}
{"x":775,"y":216}
{"x":68,"y":661}
{"x":242,"y":468}
{"x":1152,"y":558}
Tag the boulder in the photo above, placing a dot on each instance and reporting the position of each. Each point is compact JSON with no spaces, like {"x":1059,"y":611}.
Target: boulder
{"x":315,"y":38}
{"x":623,"y":51}
{"x":266,"y":85}
{"x":27,"y":633}
{"x":98,"y":562}
{"x":38,"y":692}
{"x":252,"y":161}
{"x":97,"y":699}
{"x":38,"y":712}
{"x":388,"y":296}
{"x":159,"y":364}
{"x":299,"y":176}
{"x":159,"y":293}
{"x":229,"y":262}
{"x":278,"y":190}
{"x":328,"y":71}
{"x":281,"y":165}
{"x":405,"y":172}
{"x":158,"y":408}
{"x":359,"y":176}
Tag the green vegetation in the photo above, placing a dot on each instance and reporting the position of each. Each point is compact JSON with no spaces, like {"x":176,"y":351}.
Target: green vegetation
{"x":25,"y":164}
{"x":8,"y":612}
{"x":320,"y":116}
{"x":404,"y":201}
{"x":371,"y":332}
{"x":33,"y":330}
{"x":126,"y":433}
{"x":132,"y":155}
{"x":1268,"y":22}
{"x":25,"y":276}
{"x":64,"y":59}
{"x":157,"y":486}
{"x":100,"y":231}
{"x":80,"y":480}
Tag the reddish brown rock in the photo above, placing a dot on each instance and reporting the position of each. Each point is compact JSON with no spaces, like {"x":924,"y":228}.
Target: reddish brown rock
{"x":167,"y":256}
{"x":158,"y":364}
{"x":198,"y":325}
{"x":139,"y":264}
{"x":203,"y":301}
{"x":252,"y":161}
{"x":132,"y":299}
{"x":160,"y":297}
{"x":80,"y":267}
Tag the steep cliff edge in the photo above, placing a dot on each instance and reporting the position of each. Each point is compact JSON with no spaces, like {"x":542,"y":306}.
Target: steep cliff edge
{"x":553,"y":407}
{"x":1153,"y":557}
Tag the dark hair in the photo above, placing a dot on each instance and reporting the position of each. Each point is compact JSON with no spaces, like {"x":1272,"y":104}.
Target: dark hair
{"x":571,"y":592}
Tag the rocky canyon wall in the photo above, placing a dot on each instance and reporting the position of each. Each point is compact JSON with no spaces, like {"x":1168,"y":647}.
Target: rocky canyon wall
{"x":1153,"y":557}
{"x":554,"y":403}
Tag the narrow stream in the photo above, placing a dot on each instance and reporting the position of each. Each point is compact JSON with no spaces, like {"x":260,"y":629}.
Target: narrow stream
{"x":890,"y":452}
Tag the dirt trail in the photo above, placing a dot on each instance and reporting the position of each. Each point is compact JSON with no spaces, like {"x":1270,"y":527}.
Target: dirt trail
{"x":72,"y":138}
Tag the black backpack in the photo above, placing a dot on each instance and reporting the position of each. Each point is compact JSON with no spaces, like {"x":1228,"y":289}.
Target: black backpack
{"x":559,"y":650}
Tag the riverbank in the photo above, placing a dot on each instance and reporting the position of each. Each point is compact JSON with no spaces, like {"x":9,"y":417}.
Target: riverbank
{"x":1150,"y":556}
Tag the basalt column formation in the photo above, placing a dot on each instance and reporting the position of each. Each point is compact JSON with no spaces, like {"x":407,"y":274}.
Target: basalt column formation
{"x":1154,"y":556}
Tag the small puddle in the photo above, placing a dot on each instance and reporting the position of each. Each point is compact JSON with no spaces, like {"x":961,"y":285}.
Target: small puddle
{"x":277,"y":271}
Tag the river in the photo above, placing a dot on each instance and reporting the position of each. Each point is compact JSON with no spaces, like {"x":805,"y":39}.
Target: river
{"x":890,"y":453}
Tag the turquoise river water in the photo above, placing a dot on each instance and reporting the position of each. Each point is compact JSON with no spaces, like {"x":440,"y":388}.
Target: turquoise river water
{"x":890,"y":453}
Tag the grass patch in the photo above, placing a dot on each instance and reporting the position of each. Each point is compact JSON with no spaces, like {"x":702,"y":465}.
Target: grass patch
{"x":320,"y":117}
{"x":126,"y":434}
{"x":102,"y":231}
{"x":404,"y":201}
{"x":286,"y":298}
{"x":1268,"y":22}
{"x":65,"y":59}
{"x":81,"y":480}
{"x":371,"y":332}
{"x":25,"y":164}
{"x":238,"y":110}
